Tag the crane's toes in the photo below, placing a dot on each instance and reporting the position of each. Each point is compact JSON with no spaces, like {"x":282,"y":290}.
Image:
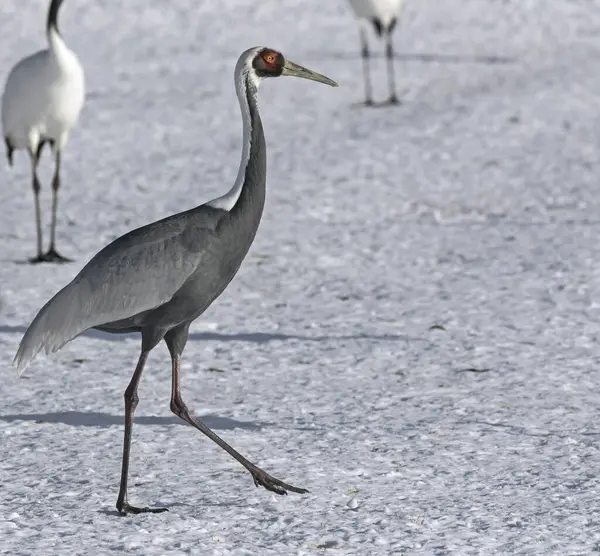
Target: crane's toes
{"x":53,"y":256}
{"x":363,"y":104}
{"x":393,"y":101}
{"x":128,"y":509}
{"x":274,"y":485}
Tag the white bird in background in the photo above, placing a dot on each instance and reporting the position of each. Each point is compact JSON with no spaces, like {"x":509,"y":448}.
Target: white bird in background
{"x":43,"y":96}
{"x":383,"y":15}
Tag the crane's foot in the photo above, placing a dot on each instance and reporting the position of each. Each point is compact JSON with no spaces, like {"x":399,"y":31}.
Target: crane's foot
{"x":53,"y":256}
{"x":261,"y":478}
{"x":364,"y":104}
{"x":393,"y":101}
{"x":126,"y":509}
{"x":39,"y":259}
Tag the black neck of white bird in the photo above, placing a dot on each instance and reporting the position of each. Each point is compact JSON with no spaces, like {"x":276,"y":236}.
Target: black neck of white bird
{"x":52,"y":24}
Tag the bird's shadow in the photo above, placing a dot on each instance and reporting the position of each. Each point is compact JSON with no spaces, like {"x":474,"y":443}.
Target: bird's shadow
{"x":489,"y":59}
{"x":30,"y":262}
{"x":374,"y":104}
{"x":251,"y":337}
{"x":241,"y":502}
{"x":105,"y":420}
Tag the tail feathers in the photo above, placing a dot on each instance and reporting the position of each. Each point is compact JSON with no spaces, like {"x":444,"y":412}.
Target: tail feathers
{"x":377,"y":23}
{"x":56,"y":324}
{"x":384,"y":27}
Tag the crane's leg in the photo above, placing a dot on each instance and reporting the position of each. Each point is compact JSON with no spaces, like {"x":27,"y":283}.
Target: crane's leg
{"x":131,"y":401}
{"x":35,"y":158}
{"x":175,"y":341}
{"x":389,"y":54}
{"x":52,"y":255}
{"x":366,"y":74}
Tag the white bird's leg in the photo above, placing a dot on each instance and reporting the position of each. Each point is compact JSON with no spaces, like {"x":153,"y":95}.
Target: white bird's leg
{"x":35,"y":158}
{"x":178,"y":407}
{"x":367,"y":77}
{"x":389,"y":54}
{"x":52,"y":255}
{"x":131,"y":401}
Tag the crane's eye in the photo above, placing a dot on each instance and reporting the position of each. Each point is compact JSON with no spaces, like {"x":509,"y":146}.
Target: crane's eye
{"x":268,"y":63}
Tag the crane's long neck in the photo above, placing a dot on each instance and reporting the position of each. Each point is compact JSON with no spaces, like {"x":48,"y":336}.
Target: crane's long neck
{"x":248,"y":191}
{"x":57,"y":44}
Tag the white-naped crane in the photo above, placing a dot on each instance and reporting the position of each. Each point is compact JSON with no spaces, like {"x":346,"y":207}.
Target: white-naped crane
{"x":383,"y":16}
{"x":158,"y":279}
{"x":43,"y":96}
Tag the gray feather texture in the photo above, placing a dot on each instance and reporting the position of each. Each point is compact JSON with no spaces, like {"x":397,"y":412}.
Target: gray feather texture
{"x":164,"y":275}
{"x":134,"y":274}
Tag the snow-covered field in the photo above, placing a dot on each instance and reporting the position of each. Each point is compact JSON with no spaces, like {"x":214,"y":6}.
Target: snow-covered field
{"x":414,"y":334}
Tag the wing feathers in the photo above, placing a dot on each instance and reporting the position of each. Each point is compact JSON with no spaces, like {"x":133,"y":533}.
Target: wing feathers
{"x":137,"y":272}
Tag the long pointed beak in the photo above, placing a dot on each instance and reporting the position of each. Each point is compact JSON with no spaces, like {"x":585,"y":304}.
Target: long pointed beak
{"x":289,"y":68}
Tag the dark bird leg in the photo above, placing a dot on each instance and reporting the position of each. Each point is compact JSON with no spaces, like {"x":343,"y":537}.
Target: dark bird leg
{"x":9,"y":151}
{"x":35,"y":158}
{"x":52,"y":255}
{"x":175,"y":341}
{"x":131,"y":401}
{"x":366,"y":74}
{"x":389,"y":54}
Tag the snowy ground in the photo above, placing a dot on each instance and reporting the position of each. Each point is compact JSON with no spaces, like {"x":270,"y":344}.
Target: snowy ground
{"x":401,"y":250}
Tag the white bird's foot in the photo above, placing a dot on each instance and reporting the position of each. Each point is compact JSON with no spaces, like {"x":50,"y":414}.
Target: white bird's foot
{"x":364,"y":104}
{"x":392,"y":101}
{"x":37,"y":260}
{"x":53,"y":256}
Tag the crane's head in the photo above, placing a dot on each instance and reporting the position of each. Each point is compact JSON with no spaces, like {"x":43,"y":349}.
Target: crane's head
{"x":266,"y":62}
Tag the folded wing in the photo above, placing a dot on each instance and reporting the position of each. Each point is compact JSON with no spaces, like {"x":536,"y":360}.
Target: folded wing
{"x":137,"y":272}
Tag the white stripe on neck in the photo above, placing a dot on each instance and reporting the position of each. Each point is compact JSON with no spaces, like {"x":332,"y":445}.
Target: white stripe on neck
{"x":246,"y":78}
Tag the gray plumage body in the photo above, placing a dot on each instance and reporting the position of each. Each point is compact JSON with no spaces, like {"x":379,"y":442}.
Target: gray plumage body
{"x":159,"y":278}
